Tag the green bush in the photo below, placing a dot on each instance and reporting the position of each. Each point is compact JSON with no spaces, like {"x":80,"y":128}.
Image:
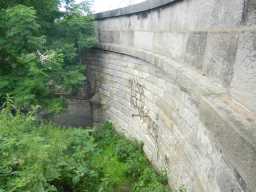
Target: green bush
{"x":40,"y":51}
{"x":42,"y":157}
{"x":126,"y":161}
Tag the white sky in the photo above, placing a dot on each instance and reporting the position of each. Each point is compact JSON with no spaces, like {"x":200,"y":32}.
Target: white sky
{"x":104,"y":5}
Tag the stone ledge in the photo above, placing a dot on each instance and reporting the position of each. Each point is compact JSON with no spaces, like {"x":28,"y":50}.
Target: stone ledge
{"x":133,"y":9}
{"x":187,"y":76}
{"x":194,"y":83}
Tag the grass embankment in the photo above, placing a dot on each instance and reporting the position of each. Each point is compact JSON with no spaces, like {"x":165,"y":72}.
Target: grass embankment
{"x":41,"y":157}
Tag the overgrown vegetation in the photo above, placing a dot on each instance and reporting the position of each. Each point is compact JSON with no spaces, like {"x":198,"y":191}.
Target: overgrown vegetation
{"x":39,"y":50}
{"x":41,"y":157}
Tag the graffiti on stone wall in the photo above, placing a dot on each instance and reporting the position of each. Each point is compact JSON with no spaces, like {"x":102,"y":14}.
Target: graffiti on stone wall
{"x":138,"y":102}
{"x":137,"y":99}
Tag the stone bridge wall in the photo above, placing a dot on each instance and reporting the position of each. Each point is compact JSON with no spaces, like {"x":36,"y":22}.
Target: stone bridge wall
{"x":180,"y":76}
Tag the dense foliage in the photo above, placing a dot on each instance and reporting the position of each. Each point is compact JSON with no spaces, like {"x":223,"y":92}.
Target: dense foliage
{"x":39,"y":50}
{"x":37,"y":157}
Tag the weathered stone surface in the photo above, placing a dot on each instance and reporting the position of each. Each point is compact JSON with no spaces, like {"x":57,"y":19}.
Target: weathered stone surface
{"x":127,"y":38}
{"x":109,"y":36}
{"x":220,"y":57}
{"x":144,"y":6}
{"x":195,"y":49}
{"x":180,"y":77}
{"x":171,"y":45}
{"x":143,"y":40}
{"x":243,"y":86}
{"x":251,"y":14}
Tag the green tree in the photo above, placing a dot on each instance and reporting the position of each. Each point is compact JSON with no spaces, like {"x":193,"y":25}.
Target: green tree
{"x":40,"y":48}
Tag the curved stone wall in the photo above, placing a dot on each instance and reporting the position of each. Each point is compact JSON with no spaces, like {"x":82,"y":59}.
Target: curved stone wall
{"x":180,"y":76}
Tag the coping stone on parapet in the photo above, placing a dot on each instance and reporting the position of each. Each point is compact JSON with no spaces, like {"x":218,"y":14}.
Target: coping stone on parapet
{"x":134,"y":9}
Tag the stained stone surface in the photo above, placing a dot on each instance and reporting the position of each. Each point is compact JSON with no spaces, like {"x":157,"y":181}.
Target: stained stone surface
{"x":180,"y":76}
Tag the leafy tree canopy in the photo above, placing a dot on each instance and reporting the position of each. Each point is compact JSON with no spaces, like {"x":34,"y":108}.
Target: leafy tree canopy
{"x":40,"y":45}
